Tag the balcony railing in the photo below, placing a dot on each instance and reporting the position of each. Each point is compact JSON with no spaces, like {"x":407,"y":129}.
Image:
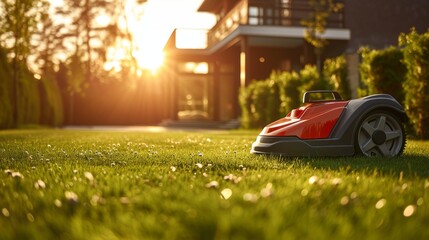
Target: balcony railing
{"x":268,"y":13}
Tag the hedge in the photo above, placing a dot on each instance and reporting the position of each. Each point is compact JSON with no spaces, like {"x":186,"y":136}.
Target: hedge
{"x":382,"y":71}
{"x":415,"y":48}
{"x":267,"y":100}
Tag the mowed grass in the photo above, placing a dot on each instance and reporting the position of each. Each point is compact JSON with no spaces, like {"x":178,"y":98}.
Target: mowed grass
{"x":57,"y":184}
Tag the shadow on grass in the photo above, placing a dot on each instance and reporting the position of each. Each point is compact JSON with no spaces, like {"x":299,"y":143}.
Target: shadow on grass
{"x":408,"y":165}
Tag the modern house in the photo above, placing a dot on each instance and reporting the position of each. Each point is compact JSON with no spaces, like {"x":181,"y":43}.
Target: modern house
{"x":254,"y":37}
{"x":199,"y":85}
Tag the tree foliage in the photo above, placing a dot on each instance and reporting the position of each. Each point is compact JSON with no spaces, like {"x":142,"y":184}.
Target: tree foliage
{"x":18,"y":21}
{"x":316,"y":24}
{"x":31,"y":41}
{"x":90,"y":39}
{"x":6,"y":111}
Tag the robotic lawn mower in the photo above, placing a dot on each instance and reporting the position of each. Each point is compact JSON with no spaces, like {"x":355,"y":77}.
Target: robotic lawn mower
{"x":369,"y":126}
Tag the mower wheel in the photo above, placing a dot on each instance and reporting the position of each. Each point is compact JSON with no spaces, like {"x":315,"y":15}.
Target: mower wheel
{"x":380,"y":133}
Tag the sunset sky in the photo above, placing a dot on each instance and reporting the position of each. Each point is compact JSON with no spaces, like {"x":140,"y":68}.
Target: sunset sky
{"x":160,"y":18}
{"x":153,"y":28}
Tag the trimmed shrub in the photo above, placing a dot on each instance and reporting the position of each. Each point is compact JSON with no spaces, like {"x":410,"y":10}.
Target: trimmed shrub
{"x":290,"y":94}
{"x":382,"y":71}
{"x":416,"y":59}
{"x":260,"y":103}
{"x":267,"y":100}
{"x":311,"y":80}
{"x":336,"y":74}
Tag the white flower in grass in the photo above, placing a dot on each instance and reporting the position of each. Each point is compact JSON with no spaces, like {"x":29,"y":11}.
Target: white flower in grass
{"x":5,"y":212}
{"x":199,"y":165}
{"x":58,"y":203}
{"x":89,"y":176}
{"x":354,"y":195}
{"x":40,"y":184}
{"x":71,"y":197}
{"x":304,"y":192}
{"x":212,"y":184}
{"x":231,"y":177}
{"x":267,"y":191}
{"x":173,"y":168}
{"x":336,"y":181}
{"x":420,"y":201}
{"x":226,"y":193}
{"x":14,"y":174}
{"x":312,"y":180}
{"x":250,"y":197}
{"x":409,"y":210}
{"x":344,"y":200}
{"x":380,"y":203}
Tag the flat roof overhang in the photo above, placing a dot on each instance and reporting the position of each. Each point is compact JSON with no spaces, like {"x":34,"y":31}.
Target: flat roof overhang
{"x":277,"y":36}
{"x":208,"y":5}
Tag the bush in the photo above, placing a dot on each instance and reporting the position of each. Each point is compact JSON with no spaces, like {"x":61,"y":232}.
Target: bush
{"x":416,"y":59}
{"x":260,"y":103}
{"x":311,"y":80}
{"x":382,"y":71}
{"x":290,"y":94}
{"x":336,"y":74}
{"x":265,"y":101}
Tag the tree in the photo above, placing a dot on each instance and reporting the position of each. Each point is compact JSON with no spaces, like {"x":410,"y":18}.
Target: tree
{"x":18,"y":21}
{"x":6,"y":111}
{"x":82,"y":35}
{"x":316,"y":25}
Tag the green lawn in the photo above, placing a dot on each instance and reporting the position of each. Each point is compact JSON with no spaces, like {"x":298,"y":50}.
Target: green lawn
{"x":57,"y":184}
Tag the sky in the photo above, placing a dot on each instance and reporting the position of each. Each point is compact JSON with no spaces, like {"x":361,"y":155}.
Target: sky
{"x":160,"y":17}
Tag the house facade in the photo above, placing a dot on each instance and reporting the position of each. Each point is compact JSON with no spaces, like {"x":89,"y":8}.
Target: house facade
{"x":254,"y":37}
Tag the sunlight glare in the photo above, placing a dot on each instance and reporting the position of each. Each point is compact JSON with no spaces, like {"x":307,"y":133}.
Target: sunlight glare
{"x":150,"y":59}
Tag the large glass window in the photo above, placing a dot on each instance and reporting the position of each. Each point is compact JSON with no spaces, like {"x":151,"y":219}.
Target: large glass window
{"x":195,"y":97}
{"x":195,"y":91}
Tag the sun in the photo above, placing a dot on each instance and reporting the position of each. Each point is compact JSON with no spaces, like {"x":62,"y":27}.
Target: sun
{"x":151,"y":59}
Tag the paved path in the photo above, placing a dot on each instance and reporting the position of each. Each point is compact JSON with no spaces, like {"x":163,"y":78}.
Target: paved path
{"x":154,"y":129}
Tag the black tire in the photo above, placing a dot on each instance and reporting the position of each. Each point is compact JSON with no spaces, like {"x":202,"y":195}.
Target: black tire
{"x":381,"y":134}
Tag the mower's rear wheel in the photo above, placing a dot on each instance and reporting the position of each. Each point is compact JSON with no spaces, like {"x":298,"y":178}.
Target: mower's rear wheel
{"x":381,"y":133}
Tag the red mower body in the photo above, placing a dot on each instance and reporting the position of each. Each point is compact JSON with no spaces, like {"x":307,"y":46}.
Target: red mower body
{"x":312,"y":121}
{"x":370,"y":126}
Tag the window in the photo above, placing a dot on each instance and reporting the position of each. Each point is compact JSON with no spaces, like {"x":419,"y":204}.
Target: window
{"x":194,"y":67}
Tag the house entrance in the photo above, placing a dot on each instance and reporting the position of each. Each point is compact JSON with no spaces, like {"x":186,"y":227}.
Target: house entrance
{"x":195,"y":97}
